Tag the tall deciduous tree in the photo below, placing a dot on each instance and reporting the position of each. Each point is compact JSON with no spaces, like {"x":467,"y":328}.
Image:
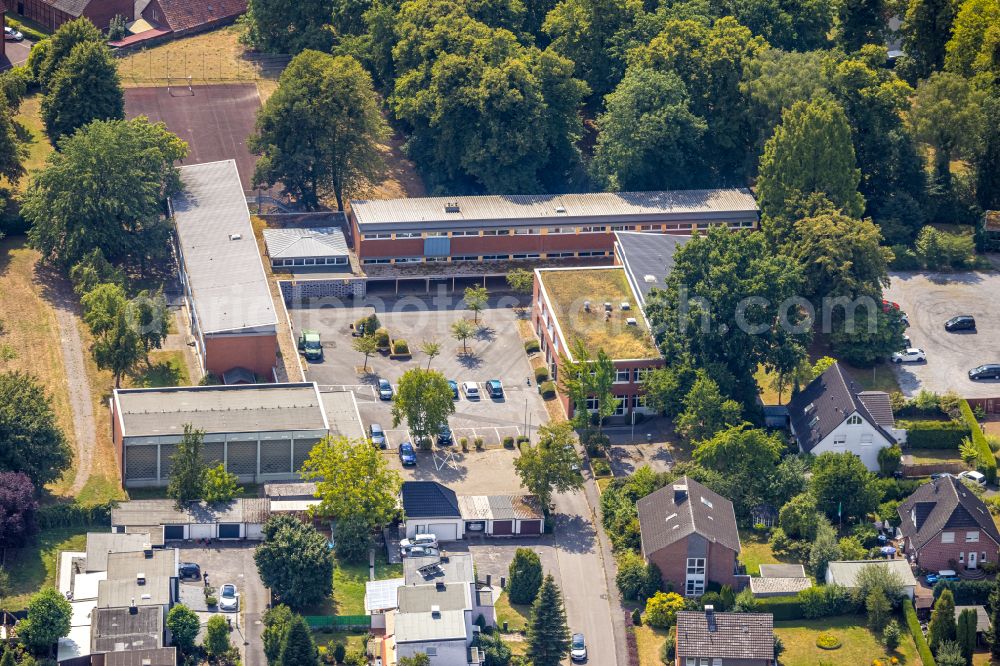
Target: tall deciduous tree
{"x":525,"y":576}
{"x":947,"y":116}
{"x":550,"y":466}
{"x":183,"y":624}
{"x":298,"y":646}
{"x":861,"y":22}
{"x":475,"y":299}
{"x":843,"y":486}
{"x":424,"y":400}
{"x":104,"y":189}
{"x":548,"y":633}
{"x":988,"y":155}
{"x":810,"y":152}
{"x":800,"y":25}
{"x":974,"y":38}
{"x":748,"y":458}
{"x":217,"y":643}
{"x":48,"y":620}
{"x":320,"y":132}
{"x":32,"y":441}
{"x":648,"y":137}
{"x":13,"y":152}
{"x":462,"y":330}
{"x":295,"y":561}
{"x":187,"y":469}
{"x":85,"y":88}
{"x":17,"y":509}
{"x":706,"y":410}
{"x":926,"y":29}
{"x":367,"y":345}
{"x":277,"y":619}
{"x":49,"y":59}
{"x":289,"y":26}
{"x":352,"y":480}
{"x":149,"y":315}
{"x":583,"y":31}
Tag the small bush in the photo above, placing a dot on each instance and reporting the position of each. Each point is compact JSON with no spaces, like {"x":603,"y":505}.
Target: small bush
{"x":904,"y":259}
{"x":637,"y":617}
{"x":827,"y":641}
{"x":532,"y":346}
{"x":508,"y":442}
{"x":541,"y":374}
{"x":669,"y":650}
{"x":548,"y":390}
{"x":400,"y":347}
{"x":30,"y":33}
{"x":464,"y":443}
{"x":987,"y":461}
{"x":211,"y":601}
{"x":600,"y":467}
{"x":382,"y":338}
{"x":913,"y":624}
{"x":479,"y":443}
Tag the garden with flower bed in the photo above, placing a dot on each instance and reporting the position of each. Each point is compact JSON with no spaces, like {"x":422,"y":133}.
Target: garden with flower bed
{"x":858,"y":645}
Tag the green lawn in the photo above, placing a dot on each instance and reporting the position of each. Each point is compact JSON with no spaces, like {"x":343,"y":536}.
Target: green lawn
{"x":859,"y":646}
{"x":36,"y":565}
{"x":349,"y":583}
{"x":934,"y":455}
{"x":650,"y":642}
{"x":756,"y":551}
{"x":515,"y":615}
{"x":326,"y":640}
{"x":878,"y":378}
{"x":166,"y":368}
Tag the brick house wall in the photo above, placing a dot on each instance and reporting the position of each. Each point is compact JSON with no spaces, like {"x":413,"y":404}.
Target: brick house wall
{"x":257,"y":353}
{"x":720,"y":562}
{"x":937,"y":554}
{"x":100,"y":12}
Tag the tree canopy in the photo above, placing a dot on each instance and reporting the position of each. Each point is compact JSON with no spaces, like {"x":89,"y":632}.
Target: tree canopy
{"x":288,"y":26}
{"x":33,"y":443}
{"x":295,"y":561}
{"x":17,"y":509}
{"x":86,"y":87}
{"x":551,"y":465}
{"x":424,"y":400}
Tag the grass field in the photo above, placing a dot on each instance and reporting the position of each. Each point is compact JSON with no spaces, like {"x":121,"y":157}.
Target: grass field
{"x":349,"y":583}
{"x":36,"y":565}
{"x":166,"y":368}
{"x":921,"y":456}
{"x":326,"y":641}
{"x":859,"y":646}
{"x":650,"y":642}
{"x":755,"y":551}
{"x":32,"y":133}
{"x":515,"y":615}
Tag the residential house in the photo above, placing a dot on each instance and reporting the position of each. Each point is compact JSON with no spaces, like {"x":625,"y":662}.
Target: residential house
{"x":845,"y":573}
{"x":723,"y":639}
{"x":690,"y":533}
{"x":181,"y":17}
{"x":946,"y":526}
{"x":53,"y":13}
{"x":432,"y":508}
{"x":834,"y":414}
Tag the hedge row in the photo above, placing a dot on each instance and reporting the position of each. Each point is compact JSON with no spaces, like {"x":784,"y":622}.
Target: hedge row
{"x":30,"y":33}
{"x":987,"y":461}
{"x":783,"y":608}
{"x":913,"y":624}
{"x":934,"y":434}
{"x":75,"y":515}
{"x":966,"y":592}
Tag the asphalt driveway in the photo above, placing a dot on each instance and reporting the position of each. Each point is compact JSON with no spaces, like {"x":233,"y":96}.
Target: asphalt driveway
{"x":15,"y":53}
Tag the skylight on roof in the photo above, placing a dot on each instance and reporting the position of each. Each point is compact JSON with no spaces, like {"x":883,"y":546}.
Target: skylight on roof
{"x":707,"y":502}
{"x":814,"y":421}
{"x":671,"y":517}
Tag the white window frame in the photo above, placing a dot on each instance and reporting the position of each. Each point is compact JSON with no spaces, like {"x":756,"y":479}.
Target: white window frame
{"x":947,"y":537}
{"x":619,"y":373}
{"x":867,"y":439}
{"x":853,"y":420}
{"x":525,"y":231}
{"x":377,"y":236}
{"x":408,"y":234}
{"x":972,"y":537}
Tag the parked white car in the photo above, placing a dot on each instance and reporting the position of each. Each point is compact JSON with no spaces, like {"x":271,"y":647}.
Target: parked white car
{"x":911,"y":355}
{"x":471,"y":390}
{"x":977,"y":478}
{"x":229,"y":598}
{"x":425,"y":540}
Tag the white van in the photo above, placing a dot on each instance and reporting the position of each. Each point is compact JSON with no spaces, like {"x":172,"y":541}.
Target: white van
{"x":977,"y":478}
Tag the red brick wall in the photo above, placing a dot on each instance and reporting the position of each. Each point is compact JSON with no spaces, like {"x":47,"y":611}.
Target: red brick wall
{"x":153,"y":13}
{"x":936,"y":555}
{"x":672,"y":562}
{"x":257,"y":353}
{"x":117,"y":439}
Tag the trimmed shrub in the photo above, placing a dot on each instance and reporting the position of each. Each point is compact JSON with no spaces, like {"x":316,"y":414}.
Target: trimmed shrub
{"x":966,"y":592}
{"x":74,"y":514}
{"x":541,"y":374}
{"x":913,"y":624}
{"x":382,"y":338}
{"x":508,"y":442}
{"x":479,"y":443}
{"x":904,"y":259}
{"x":400,"y":347}
{"x":464,"y":443}
{"x":600,"y":467}
{"x":825,"y":601}
{"x":987,"y":461}
{"x":827,"y":641}
{"x":532,"y":346}
{"x":783,"y":608}
{"x":934,"y":434}
{"x":548,"y":390}
{"x":637,"y":617}
{"x":669,"y":650}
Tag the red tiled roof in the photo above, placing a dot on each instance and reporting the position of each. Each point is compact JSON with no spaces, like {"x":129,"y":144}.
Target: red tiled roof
{"x":186,"y":14}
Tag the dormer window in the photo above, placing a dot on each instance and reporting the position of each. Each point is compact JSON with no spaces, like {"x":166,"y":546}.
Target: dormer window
{"x":853,"y":419}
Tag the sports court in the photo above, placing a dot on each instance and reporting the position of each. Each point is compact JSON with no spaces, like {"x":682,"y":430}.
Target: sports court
{"x":215,"y":120}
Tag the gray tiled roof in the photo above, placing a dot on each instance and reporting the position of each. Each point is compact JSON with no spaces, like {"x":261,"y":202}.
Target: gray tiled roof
{"x":429,"y":499}
{"x":220,"y":254}
{"x":221,"y":409}
{"x":648,"y":259}
{"x":664,"y":521}
{"x":782,"y":571}
{"x":778,"y":586}
{"x":943,"y":504}
{"x":846,"y":572}
{"x":553,"y":209}
{"x":165,"y":512}
{"x":303,"y":243}
{"x":735,"y":635}
{"x":71,"y":7}
{"x":823,"y":405}
{"x":160,"y":657}
{"x":878,"y":405}
{"x":982,"y":617}
{"x":101,"y":544}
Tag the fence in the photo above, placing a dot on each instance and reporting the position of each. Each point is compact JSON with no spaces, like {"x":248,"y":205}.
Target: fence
{"x":166,"y":66}
{"x":339,"y":621}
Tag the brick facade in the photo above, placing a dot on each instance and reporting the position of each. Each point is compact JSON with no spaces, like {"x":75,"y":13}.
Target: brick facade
{"x":100,"y":12}
{"x":939,"y":554}
{"x":257,"y":353}
{"x":720,"y":565}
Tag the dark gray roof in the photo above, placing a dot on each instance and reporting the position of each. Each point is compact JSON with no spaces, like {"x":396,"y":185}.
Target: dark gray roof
{"x":941,"y":504}
{"x":735,"y":635}
{"x":165,"y":512}
{"x":878,"y":405}
{"x":671,"y":514}
{"x":429,"y":499}
{"x":160,"y":657}
{"x":219,"y":251}
{"x":829,"y":399}
{"x":782,"y":571}
{"x":118,"y":629}
{"x":220,"y":409}
{"x":71,"y":7}
{"x":648,"y":259}
{"x":297,"y":243}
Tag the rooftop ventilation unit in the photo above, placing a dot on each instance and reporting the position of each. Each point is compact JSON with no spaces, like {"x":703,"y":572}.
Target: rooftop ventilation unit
{"x":140,"y":579}
{"x":436,"y":612}
{"x":452,"y":207}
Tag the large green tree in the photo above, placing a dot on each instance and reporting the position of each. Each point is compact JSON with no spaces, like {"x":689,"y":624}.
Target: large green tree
{"x":947,"y":117}
{"x":104,"y":189}
{"x":295,"y":561}
{"x":217,"y":642}
{"x":972,"y":49}
{"x":32,"y":440}
{"x":942,"y":625}
{"x":548,"y":633}
{"x":843,"y":487}
{"x":13,"y":151}
{"x":524,"y":576}
{"x":48,"y":620}
{"x":800,"y":25}
{"x":648,"y":137}
{"x":706,"y":410}
{"x":187,"y":469}
{"x":289,"y":26}
{"x":352,"y":480}
{"x":987,"y":159}
{"x":277,"y":620}
{"x":747,"y":457}
{"x":861,"y":22}
{"x":424,"y":400}
{"x":85,"y":88}
{"x":926,"y":30}
{"x":48,"y":59}
{"x":298,"y":647}
{"x":320,"y":132}
{"x":810,"y":152}
{"x":551,"y":465}
{"x":183,"y":624}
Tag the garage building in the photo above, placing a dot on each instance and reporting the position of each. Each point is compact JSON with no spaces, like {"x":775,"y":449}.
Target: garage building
{"x":233,"y":319}
{"x":242,"y":518}
{"x":261,"y":432}
{"x":432,"y":508}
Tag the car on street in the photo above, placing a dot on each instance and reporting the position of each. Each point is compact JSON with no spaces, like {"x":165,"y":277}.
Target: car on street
{"x":444,"y":436}
{"x":12,"y":35}
{"x":942,"y":475}
{"x":494,"y":388}
{"x":470,"y":390}
{"x":229,"y":598}
{"x":384,"y":389}
{"x":961,"y":323}
{"x":424,"y":540}
{"x":189,"y":571}
{"x":407,"y":455}
{"x":377,"y":435}
{"x":988,"y":371}
{"x":310,"y":345}
{"x":912,"y":355}
{"x":578,"y":648}
{"x":975,"y":477}
{"x":944,"y":574}
{"x":453,"y":385}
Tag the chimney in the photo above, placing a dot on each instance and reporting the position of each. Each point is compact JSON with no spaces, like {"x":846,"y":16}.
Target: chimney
{"x":436,"y":612}
{"x":440,"y":586}
{"x":680,"y":493}
{"x":132,"y":608}
{"x":140,"y":578}
{"x":710,"y":618}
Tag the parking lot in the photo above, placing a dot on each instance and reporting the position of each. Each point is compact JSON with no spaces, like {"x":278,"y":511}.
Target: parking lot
{"x":930,"y":299}
{"x":496,"y":352}
{"x":229,"y":562}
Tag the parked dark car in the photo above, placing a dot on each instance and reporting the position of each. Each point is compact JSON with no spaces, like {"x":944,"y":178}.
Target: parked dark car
{"x":384,"y":389}
{"x":494,"y":388}
{"x":407,"y":455}
{"x":444,"y":436}
{"x":988,"y":371}
{"x":961,"y":323}
{"x":189,"y":571}
{"x":453,"y":385}
{"x":377,"y":435}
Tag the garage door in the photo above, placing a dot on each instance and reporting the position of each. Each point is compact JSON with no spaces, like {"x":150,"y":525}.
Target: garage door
{"x":173,"y":532}
{"x":444,"y":531}
{"x":229,"y":530}
{"x":503,"y":527}
{"x":531,"y":527}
